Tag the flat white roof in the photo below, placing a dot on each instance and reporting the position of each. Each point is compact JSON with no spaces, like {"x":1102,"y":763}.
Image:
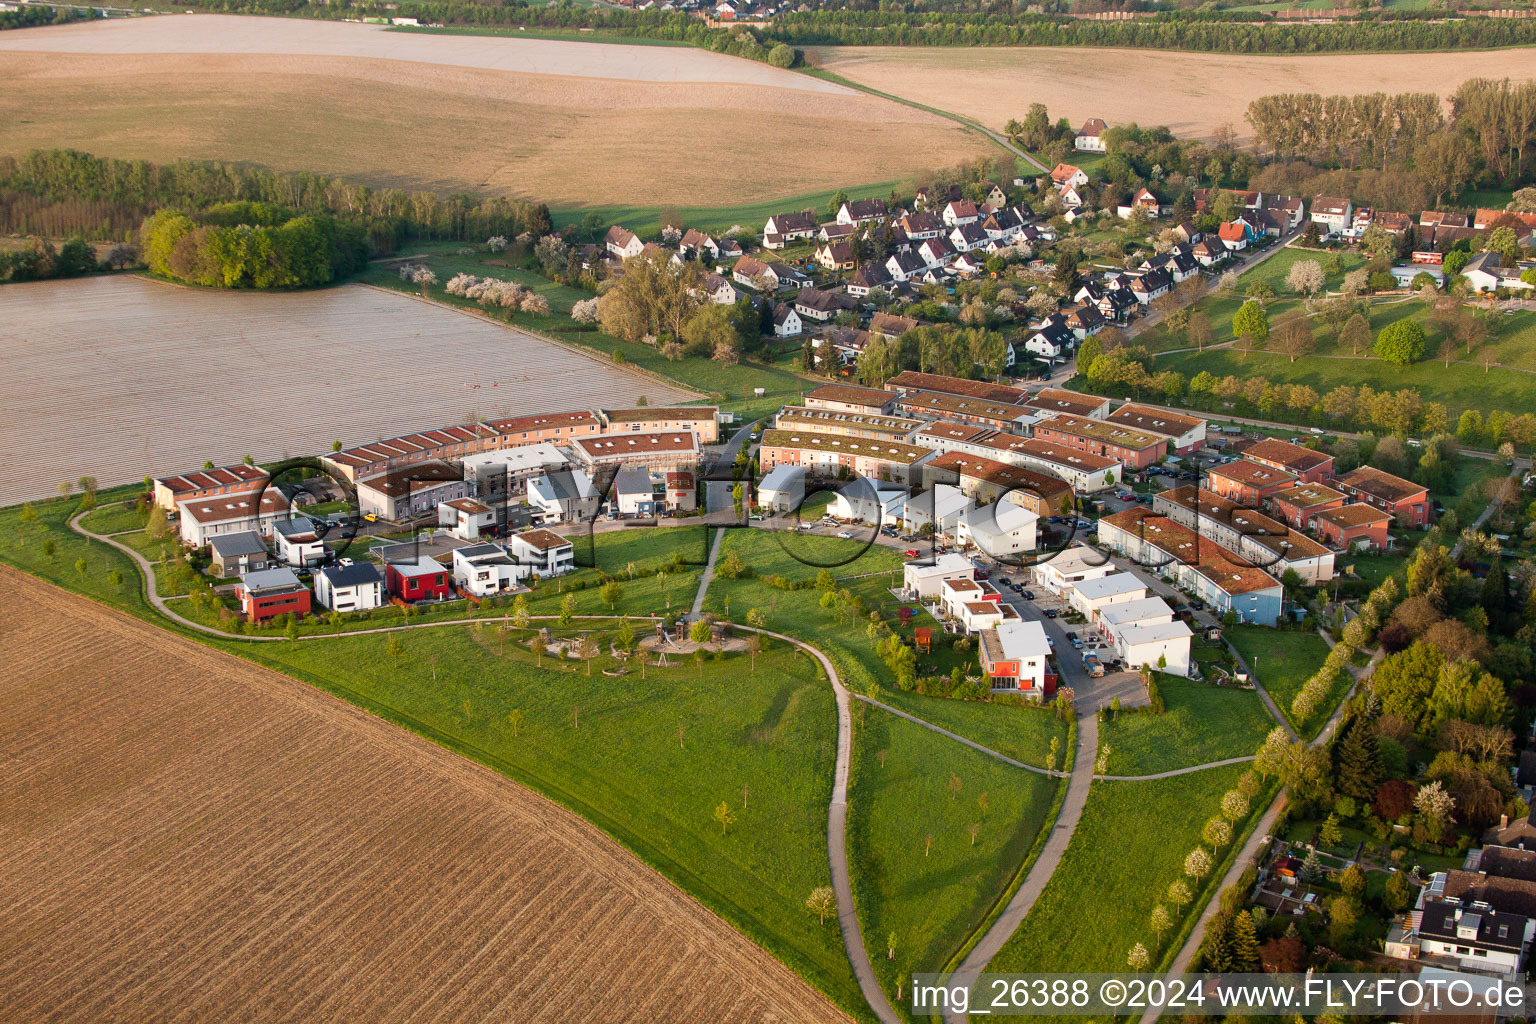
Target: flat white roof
{"x":941,"y":566}
{"x":1023,"y":639}
{"x":1110,"y":586}
{"x":520,"y":459}
{"x":1143,"y":609}
{"x":942,"y":501}
{"x":1155,"y":632}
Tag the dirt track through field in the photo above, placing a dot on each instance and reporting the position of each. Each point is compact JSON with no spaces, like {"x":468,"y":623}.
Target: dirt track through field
{"x":187,"y":836}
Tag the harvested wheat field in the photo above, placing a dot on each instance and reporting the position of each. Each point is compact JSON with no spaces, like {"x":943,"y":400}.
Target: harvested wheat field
{"x":1192,"y":93}
{"x":191,"y":837}
{"x":119,"y":377}
{"x":569,"y":123}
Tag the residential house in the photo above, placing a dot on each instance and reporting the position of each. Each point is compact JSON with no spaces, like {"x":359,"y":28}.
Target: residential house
{"x":1087,"y":596}
{"x":935,"y":252}
{"x":544,"y":552}
{"x":350,"y":588}
{"x":1332,"y":214}
{"x":1486,"y":272}
{"x":960,"y":212}
{"x":1185,"y":433}
{"x":1235,"y":234}
{"x":653,"y":449}
{"x":831,"y":455}
{"x":697,"y":243}
{"x":1084,"y":321}
{"x":563,"y":497}
{"x":929,"y":197}
{"x":268,"y":593}
{"x":297,"y":542}
{"x":1248,"y":483}
{"x":235,"y":554}
{"x":1073,"y":198}
{"x":720,"y":290}
{"x":867,"y":278}
{"x":786,"y":321}
{"x":1406,"y":501}
{"x":1016,"y":656}
{"x":632,"y":493}
{"x":1208,"y":252}
{"x":918,"y":227}
{"x":935,"y":511}
{"x":1068,"y":176}
{"x":1146,"y":633}
{"x":754,"y":273}
{"x":1309,"y":465}
{"x":202,"y":519}
{"x":836,"y":256}
{"x":1090,"y":137}
{"x":1134,"y":449}
{"x":905,"y":265}
{"x":861,"y":211}
{"x":782,"y":489}
{"x":1050,"y":402}
{"x":1355,"y":527}
{"x":835,"y":232}
{"x":973,"y":605}
{"x":869,"y":501}
{"x":681,"y":489}
{"x":410,"y":490}
{"x":1149,"y":285}
{"x":851,"y":424}
{"x":1000,"y":529}
{"x":1054,"y":340}
{"x":911,"y":382}
{"x":418,"y":579}
{"x":815,"y":304}
{"x":1086,"y":472}
{"x":1231,"y":585}
{"x":925,"y":405}
{"x":969,"y":237}
{"x":783,"y":228}
{"x":170,"y":491}
{"x":623,"y":244}
{"x":1299,"y":504}
{"x":923,"y":579}
{"x":1059,"y":575}
{"x":850,"y":398}
{"x":485,"y":570}
{"x":988,"y":480}
{"x":1144,"y":201}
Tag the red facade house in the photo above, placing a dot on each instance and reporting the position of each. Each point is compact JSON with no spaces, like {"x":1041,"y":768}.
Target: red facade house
{"x":269,"y":593}
{"x":1406,"y":501}
{"x":422,"y":580}
{"x":1353,"y":526}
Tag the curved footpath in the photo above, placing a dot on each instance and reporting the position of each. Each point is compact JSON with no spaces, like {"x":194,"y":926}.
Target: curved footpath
{"x":837,"y":813}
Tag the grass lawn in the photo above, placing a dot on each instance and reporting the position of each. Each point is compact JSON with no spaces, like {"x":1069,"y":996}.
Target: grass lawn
{"x":1129,"y":847}
{"x":930,"y":898}
{"x":647,"y":762}
{"x":1022,"y":733}
{"x":1376,"y":568}
{"x":114,"y":517}
{"x":1203,"y":723}
{"x":1283,"y":661}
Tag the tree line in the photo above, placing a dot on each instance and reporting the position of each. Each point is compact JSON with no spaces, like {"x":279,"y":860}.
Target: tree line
{"x":32,"y":16}
{"x":253,"y":248}
{"x":1399,"y":150}
{"x":64,"y":192}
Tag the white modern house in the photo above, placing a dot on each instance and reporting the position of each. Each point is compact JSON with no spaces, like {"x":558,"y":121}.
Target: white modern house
{"x":544,"y":552}
{"x":782,"y":489}
{"x":1070,"y":567}
{"x":1163,"y":646}
{"x":350,"y":588}
{"x":1088,"y":596}
{"x":939,"y":507}
{"x":485,"y":570}
{"x":466,"y":518}
{"x":297,"y":542}
{"x":1015,"y":655}
{"x":923,"y":580}
{"x":877,"y":502}
{"x":566,"y":496}
{"x":999,"y":529}
{"x":633,"y":493}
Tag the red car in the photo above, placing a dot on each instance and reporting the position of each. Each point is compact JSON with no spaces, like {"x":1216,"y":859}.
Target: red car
{"x":912,"y":552}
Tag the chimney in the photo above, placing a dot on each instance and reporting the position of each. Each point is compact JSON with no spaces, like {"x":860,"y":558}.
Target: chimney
{"x":1503,"y":821}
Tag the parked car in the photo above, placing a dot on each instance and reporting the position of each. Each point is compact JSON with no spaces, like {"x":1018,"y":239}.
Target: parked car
{"x":912,"y":552}
{"x":844,"y":535}
{"x":1029,"y":595}
{"x":1050,"y":613}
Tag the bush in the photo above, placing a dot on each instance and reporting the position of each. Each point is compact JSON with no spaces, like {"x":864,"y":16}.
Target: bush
{"x":782,"y":56}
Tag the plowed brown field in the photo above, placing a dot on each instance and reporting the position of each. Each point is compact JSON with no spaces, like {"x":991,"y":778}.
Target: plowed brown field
{"x":186,"y":836}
